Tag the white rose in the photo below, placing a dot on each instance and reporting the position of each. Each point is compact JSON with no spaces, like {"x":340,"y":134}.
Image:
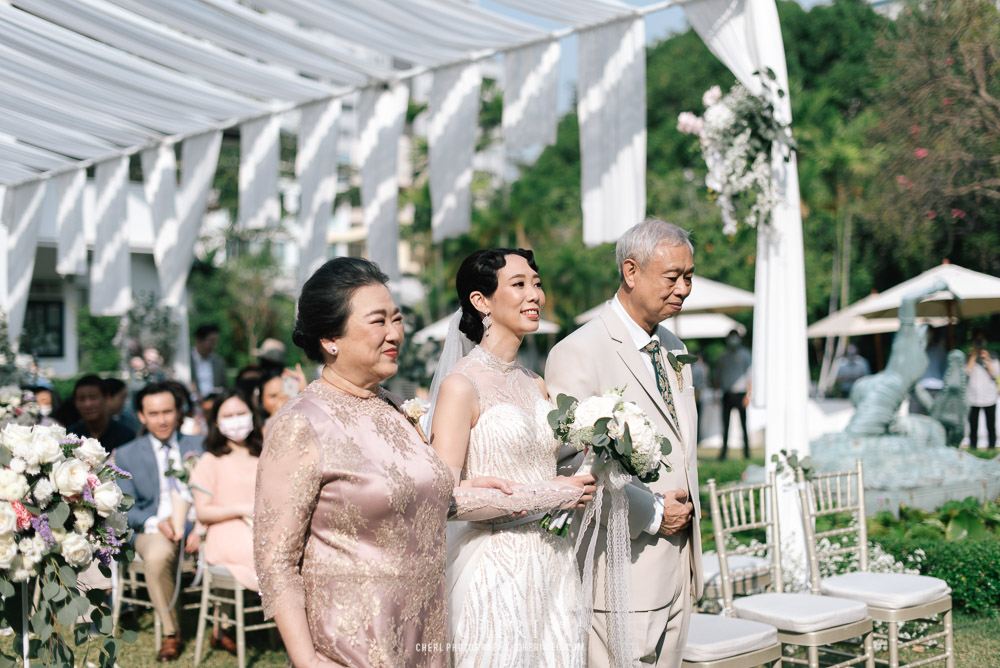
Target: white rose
{"x":58,"y":432}
{"x":83,"y":519}
{"x":32,"y":549}
{"x":47,"y":448}
{"x":118,"y":523}
{"x":70,"y":476}
{"x":107,"y":497}
{"x":13,"y":486}
{"x":591,"y":410}
{"x":15,"y":434}
{"x":76,"y":550}
{"x":44,"y":489}
{"x":8,"y":520}
{"x":8,"y":550}
{"x":92,"y":452}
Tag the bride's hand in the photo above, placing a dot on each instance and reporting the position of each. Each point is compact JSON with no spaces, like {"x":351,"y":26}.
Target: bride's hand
{"x":587,"y":482}
{"x":489,"y":482}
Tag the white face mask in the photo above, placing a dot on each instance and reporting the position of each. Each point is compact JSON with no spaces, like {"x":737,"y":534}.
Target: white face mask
{"x":236,"y":427}
{"x":45,"y":411}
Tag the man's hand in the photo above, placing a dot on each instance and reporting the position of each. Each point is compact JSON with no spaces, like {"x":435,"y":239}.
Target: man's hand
{"x":677,"y":512}
{"x":167,"y":530}
{"x":192,"y":544}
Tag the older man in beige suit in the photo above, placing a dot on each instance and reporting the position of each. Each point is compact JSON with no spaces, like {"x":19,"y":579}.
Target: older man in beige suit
{"x":627,"y":347}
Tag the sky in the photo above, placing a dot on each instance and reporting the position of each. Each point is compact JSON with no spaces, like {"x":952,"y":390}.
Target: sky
{"x":659,"y":25}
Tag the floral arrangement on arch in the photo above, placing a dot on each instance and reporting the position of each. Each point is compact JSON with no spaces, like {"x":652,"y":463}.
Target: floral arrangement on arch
{"x":737,"y":134}
{"x":60,"y":510}
{"x":18,"y":406}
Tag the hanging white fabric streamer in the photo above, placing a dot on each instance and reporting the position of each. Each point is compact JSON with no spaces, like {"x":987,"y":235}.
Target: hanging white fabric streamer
{"x":316,"y":170}
{"x":612,"y":112}
{"x":381,"y":116}
{"x":451,"y":139}
{"x":25,"y":207}
{"x":531,"y":88}
{"x":111,"y":266}
{"x":66,"y":191}
{"x":258,"y":181}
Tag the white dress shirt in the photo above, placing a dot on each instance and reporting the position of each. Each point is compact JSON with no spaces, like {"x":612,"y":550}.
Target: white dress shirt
{"x":641,"y":339}
{"x":204,"y":375}
{"x":168,"y":456}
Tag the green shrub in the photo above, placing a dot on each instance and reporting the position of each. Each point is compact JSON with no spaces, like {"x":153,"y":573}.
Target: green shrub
{"x":970,"y":567}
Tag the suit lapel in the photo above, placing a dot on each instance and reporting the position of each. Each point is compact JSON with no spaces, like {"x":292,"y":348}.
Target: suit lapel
{"x":675,"y":387}
{"x":633,"y":361}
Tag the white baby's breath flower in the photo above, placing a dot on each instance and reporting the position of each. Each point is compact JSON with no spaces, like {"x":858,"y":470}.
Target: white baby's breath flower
{"x":17,"y":465}
{"x":44,"y":489}
{"x":32,"y":549}
{"x":83,"y":520}
{"x":91,"y":451}
{"x":70,"y":476}
{"x":711,"y":96}
{"x":76,"y":550}
{"x":13,"y":486}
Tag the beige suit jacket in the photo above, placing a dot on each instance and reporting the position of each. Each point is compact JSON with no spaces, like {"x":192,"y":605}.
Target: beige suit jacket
{"x":601,"y":356}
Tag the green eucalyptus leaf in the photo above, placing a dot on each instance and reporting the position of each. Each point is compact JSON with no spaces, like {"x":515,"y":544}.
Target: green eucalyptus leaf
{"x":127,"y":502}
{"x":67,"y":575}
{"x":81,"y":634}
{"x":106,"y":625}
{"x":627,"y":442}
{"x":58,"y":514}
{"x":59,"y":595}
{"x":96,"y":596}
{"x":50,"y":589}
{"x":5,"y":457}
{"x":7,"y":662}
{"x":67,"y":614}
{"x":687,"y":358}
{"x":666,"y":447}
{"x":601,"y":426}
{"x":129,"y":636}
{"x":554,"y":419}
{"x":601,"y":441}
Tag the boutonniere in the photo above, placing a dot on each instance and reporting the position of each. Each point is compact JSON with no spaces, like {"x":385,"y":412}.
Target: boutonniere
{"x":677,"y":359}
{"x":414,"y":409}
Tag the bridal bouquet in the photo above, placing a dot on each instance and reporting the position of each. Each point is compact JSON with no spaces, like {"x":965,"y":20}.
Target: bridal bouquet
{"x":615,"y":433}
{"x":60,"y":509}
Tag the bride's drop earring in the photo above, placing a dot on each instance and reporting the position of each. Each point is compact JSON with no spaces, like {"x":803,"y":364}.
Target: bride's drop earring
{"x":487,"y":321}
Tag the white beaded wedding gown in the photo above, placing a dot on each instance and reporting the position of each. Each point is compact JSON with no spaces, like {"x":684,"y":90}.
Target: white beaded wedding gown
{"x":514,"y":588}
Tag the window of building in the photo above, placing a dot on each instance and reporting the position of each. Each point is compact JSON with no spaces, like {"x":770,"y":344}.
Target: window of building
{"x":42,"y":335}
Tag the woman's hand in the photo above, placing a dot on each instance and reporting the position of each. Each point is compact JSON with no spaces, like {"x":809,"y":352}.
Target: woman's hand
{"x":321,"y":661}
{"x":587,"y":482}
{"x":297,"y":375}
{"x":488,"y":481}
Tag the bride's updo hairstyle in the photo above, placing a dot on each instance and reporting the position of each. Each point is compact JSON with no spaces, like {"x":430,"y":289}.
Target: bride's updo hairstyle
{"x":325,"y":301}
{"x":478,"y":273}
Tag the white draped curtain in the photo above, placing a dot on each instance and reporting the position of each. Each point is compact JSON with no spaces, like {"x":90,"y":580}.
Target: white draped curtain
{"x":259,"y":206}
{"x":111,"y":267}
{"x":316,"y":171}
{"x":612,"y":113}
{"x":67,"y":200}
{"x":531,"y":89}
{"x":24,"y":206}
{"x":381,"y":116}
{"x":746,"y":36}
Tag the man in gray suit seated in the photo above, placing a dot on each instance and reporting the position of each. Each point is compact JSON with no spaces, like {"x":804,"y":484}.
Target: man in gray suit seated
{"x":148,"y":458}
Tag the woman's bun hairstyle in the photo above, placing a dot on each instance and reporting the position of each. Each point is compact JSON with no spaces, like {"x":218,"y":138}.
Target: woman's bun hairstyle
{"x":478,"y":273}
{"x":325,"y":301}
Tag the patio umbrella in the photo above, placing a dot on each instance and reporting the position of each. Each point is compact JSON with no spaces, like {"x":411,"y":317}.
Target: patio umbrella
{"x":438,"y":331}
{"x":703,"y":326}
{"x":707,"y":296}
{"x":970,"y":293}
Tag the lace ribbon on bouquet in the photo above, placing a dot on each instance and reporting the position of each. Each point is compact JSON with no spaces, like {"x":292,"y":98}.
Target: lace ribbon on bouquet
{"x":617,"y":594}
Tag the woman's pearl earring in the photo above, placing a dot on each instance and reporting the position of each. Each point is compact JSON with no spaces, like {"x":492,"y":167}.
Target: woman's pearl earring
{"x":487,"y":321}
{"x":333,"y":350}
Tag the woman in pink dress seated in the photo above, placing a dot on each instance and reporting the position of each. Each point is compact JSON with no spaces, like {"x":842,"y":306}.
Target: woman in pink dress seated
{"x":223,"y":488}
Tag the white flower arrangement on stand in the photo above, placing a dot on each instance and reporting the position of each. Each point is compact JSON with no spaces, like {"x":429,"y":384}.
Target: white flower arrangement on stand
{"x":737,"y":133}
{"x":60,"y":510}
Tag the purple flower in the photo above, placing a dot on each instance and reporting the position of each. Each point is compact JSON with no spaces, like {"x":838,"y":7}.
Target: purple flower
{"x":112,"y":540}
{"x":88,"y":496}
{"x":122,"y":472}
{"x":42,"y":528}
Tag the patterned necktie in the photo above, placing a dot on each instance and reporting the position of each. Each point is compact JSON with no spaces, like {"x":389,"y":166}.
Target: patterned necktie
{"x":662,"y":384}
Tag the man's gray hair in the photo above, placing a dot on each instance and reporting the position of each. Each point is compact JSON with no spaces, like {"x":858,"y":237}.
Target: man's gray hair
{"x":640,"y":241}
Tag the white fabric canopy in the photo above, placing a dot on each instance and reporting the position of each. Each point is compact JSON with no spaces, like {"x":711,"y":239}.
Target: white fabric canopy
{"x":25,"y":209}
{"x":381,"y":115}
{"x":260,"y":150}
{"x":67,"y":198}
{"x":612,"y":113}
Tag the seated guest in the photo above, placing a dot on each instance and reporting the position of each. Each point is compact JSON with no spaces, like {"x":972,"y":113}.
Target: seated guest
{"x":95,"y":415}
{"x":148,"y":459}
{"x":48,"y":404}
{"x":223,"y":487}
{"x":208,"y":370}
{"x":117,"y":393}
{"x":247,"y":380}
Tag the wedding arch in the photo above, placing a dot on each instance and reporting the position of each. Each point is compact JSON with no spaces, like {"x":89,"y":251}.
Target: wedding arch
{"x":89,"y":83}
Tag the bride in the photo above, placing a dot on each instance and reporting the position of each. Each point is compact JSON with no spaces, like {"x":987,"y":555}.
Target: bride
{"x":514,"y":589}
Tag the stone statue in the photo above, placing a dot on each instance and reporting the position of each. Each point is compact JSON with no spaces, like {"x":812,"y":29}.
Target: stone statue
{"x":906,"y":457}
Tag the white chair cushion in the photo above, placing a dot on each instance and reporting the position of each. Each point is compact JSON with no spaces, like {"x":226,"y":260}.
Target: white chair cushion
{"x":886,"y":590}
{"x":711,"y":637}
{"x":800,"y":613}
{"x":740,"y":566}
